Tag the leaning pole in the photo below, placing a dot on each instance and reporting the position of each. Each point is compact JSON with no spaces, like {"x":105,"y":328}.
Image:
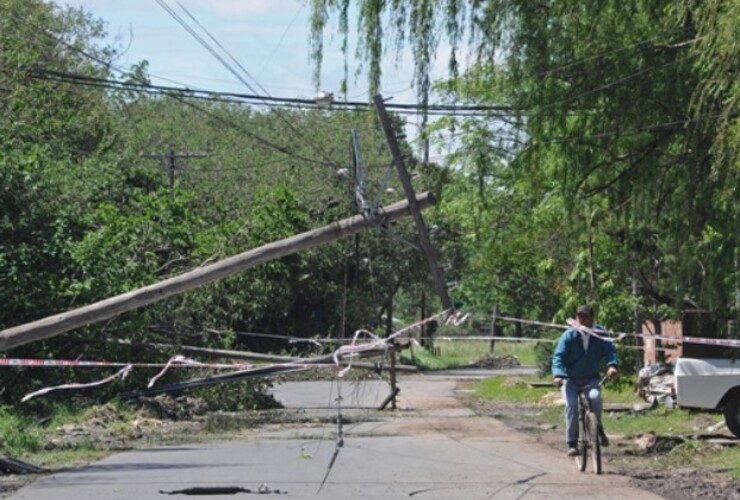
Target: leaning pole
{"x":108,"y":308}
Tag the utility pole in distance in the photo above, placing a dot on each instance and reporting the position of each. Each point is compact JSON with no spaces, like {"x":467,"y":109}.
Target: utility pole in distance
{"x":425,"y":243}
{"x":170,"y":161}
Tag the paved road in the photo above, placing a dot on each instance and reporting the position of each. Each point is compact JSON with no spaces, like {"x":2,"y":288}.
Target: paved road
{"x":432,"y":448}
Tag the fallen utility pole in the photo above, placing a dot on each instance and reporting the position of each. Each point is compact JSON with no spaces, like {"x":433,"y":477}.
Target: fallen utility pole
{"x":108,"y":308}
{"x":426,"y":245}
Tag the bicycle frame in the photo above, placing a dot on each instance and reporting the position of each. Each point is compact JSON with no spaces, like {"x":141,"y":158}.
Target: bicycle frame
{"x":588,"y":430}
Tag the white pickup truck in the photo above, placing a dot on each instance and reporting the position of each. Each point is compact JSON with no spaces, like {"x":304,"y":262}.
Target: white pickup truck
{"x":710,"y":384}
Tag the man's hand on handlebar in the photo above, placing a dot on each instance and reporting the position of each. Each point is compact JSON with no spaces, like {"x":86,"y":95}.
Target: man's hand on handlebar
{"x":612,"y":372}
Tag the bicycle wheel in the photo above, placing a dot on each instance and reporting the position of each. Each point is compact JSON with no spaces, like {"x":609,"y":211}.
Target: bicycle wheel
{"x":582,"y":456}
{"x":592,"y":425}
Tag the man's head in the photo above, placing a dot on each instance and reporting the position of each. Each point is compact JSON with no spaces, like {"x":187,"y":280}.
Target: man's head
{"x":585,"y":315}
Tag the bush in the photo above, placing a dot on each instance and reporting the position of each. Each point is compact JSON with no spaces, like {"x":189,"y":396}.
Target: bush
{"x":543,"y":354}
{"x":17,"y":435}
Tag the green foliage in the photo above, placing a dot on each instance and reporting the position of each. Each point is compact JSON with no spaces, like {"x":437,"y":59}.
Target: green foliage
{"x":92,"y":206}
{"x":602,"y":177}
{"x":241,"y":396}
{"x":608,"y":173}
{"x":462,"y":353}
{"x":17,"y":434}
{"x":543,"y":352}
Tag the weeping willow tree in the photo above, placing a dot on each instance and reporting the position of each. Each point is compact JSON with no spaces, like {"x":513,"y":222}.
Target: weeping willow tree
{"x":624,"y":110}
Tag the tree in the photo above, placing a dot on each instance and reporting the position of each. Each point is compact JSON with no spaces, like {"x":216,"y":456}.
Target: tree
{"x":612,"y":124}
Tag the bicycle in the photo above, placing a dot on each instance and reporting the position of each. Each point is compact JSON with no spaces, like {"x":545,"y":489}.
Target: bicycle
{"x":588,"y":431}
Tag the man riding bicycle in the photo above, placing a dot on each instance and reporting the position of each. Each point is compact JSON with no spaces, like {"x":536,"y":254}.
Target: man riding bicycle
{"x":576,"y":363}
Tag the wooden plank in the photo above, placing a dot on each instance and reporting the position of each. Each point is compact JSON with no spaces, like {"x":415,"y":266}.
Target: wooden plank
{"x":108,"y":308}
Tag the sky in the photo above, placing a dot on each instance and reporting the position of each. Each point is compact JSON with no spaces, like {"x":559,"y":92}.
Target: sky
{"x":270,"y":38}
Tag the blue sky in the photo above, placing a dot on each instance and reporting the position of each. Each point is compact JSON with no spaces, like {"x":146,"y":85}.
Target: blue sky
{"x":268,"y":37}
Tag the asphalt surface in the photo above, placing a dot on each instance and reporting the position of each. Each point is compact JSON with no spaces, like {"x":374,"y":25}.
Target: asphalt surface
{"x":430,"y":448}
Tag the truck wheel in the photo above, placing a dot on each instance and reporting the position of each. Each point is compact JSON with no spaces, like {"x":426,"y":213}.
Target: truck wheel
{"x":732,"y":414}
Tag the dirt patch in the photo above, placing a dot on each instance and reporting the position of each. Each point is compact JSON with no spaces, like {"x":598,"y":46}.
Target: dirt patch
{"x":688,"y":484}
{"x":623,"y":456}
{"x":492,"y":362}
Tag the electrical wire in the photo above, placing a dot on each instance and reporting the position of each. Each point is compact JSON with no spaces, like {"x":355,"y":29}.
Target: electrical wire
{"x":268,"y":101}
{"x":316,"y":145}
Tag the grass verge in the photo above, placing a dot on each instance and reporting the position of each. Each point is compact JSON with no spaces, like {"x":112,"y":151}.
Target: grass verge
{"x":462,"y":353}
{"x":678,"y":426}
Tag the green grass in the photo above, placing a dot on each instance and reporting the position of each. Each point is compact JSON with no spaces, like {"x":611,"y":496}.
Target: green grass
{"x":67,"y":458}
{"x":461,"y":353}
{"x":503,"y":390}
{"x":727,"y":459}
{"x":661,"y":421}
{"x":18,"y":435}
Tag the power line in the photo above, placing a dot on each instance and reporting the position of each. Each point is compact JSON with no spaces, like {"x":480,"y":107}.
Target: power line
{"x":313,"y":144}
{"x":241,"y":98}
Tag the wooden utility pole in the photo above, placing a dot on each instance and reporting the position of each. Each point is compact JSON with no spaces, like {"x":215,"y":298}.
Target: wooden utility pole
{"x":425,"y":243}
{"x":108,"y":308}
{"x":170,"y":162}
{"x":389,"y":331}
{"x":493,"y":329}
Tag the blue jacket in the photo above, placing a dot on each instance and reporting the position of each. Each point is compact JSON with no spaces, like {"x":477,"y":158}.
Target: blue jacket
{"x":570,"y":360}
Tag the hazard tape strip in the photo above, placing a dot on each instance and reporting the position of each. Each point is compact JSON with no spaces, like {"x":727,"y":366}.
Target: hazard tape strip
{"x":179,"y":360}
{"x":241,"y":370}
{"x":599,"y":333}
{"x":571,"y":323}
{"x":122,"y":373}
{"x":176,"y":361}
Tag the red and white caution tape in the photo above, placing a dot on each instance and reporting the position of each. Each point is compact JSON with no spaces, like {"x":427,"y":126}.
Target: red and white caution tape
{"x":353,"y":349}
{"x":622,"y":335}
{"x":122,"y":373}
{"x":52,"y":363}
{"x":349,"y":351}
{"x":178,"y":361}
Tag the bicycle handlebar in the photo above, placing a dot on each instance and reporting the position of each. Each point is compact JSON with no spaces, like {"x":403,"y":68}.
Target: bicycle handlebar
{"x":601,"y":382}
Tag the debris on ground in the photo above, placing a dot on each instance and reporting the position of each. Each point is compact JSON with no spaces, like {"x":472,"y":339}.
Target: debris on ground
{"x":514,"y":382}
{"x":489,"y":362}
{"x":12,"y":466}
{"x":656,"y":383}
{"x":650,"y":442}
{"x":688,"y":484}
{"x":553,"y":398}
{"x":181,"y":408}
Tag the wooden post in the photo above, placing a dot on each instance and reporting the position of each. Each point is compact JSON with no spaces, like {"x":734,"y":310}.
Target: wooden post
{"x":423,"y":334}
{"x":389,"y":331}
{"x":493,"y":329}
{"x":108,"y":308}
{"x":426,"y":245}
